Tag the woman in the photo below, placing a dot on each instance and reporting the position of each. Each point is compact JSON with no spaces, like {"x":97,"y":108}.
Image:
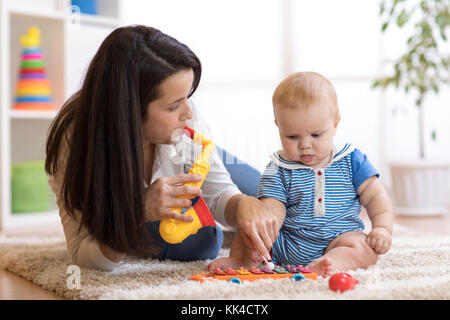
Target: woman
{"x":106,"y":162}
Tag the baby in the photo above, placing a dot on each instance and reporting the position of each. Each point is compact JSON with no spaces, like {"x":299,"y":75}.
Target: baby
{"x":317,"y":189}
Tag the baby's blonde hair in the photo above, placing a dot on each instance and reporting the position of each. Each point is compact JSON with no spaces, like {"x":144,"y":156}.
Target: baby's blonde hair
{"x":301,"y":89}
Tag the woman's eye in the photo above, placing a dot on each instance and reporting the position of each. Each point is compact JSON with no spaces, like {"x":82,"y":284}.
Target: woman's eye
{"x":174,"y":108}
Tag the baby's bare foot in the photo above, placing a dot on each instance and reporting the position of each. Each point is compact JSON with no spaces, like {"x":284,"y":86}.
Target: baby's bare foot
{"x":322,"y":267}
{"x":228,"y":262}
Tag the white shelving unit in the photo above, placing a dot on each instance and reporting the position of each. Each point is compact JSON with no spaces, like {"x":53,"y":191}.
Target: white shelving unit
{"x":69,"y":39}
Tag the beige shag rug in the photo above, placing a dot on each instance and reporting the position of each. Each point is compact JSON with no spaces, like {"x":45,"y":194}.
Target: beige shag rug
{"x":416,"y":267}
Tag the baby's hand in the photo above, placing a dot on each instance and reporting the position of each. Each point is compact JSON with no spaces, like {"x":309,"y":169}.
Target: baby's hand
{"x":379,"y":239}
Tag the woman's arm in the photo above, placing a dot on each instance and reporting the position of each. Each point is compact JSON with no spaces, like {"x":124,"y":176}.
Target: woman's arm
{"x":90,"y":255}
{"x":110,"y":254}
{"x":279,"y":209}
{"x":83,"y":250}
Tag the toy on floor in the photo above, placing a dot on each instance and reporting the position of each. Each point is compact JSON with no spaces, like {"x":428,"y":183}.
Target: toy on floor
{"x":342,"y":281}
{"x":237,"y":276}
{"x":33,"y":87}
{"x":175,"y":231}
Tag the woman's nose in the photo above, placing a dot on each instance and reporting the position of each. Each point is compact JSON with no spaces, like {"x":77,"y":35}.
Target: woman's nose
{"x":187,"y":112}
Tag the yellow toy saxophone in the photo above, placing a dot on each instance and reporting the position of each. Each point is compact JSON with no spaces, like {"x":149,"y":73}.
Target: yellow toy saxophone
{"x":175,"y":231}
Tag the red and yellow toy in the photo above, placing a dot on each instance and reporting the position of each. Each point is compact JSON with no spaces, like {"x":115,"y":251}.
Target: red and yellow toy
{"x":175,"y":231}
{"x":236,"y":276}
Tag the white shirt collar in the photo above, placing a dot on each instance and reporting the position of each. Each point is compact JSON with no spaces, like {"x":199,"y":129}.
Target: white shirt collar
{"x":338,"y":153}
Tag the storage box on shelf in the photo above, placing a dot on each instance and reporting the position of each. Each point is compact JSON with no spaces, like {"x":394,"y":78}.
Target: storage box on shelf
{"x":68,"y":40}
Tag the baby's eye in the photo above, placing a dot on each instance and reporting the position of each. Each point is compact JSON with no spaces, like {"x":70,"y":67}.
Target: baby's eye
{"x":292,"y":137}
{"x":315,"y":135}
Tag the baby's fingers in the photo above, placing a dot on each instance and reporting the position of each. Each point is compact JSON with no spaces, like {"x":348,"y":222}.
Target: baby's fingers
{"x":385,"y":247}
{"x":371,"y":241}
{"x":378,"y":245}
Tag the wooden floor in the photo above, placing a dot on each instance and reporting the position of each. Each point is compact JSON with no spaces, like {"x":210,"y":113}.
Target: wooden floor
{"x":13,"y":287}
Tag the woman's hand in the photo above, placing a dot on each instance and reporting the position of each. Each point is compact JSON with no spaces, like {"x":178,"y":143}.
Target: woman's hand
{"x":160,"y":197}
{"x":258,"y":225}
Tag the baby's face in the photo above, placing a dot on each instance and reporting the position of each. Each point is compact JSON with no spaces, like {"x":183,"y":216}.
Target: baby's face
{"x":307,"y":134}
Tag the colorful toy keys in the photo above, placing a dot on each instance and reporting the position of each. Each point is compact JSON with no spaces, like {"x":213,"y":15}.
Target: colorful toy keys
{"x":236,"y":276}
{"x":175,"y":231}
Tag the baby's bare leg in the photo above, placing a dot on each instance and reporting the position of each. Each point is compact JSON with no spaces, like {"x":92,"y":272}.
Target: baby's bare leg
{"x":349,"y":251}
{"x":240,"y":256}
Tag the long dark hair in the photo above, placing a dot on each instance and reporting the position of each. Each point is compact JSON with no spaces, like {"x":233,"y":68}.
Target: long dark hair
{"x":104,"y":175}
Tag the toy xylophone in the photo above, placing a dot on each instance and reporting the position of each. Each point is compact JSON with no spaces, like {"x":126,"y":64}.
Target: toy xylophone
{"x":252,"y":274}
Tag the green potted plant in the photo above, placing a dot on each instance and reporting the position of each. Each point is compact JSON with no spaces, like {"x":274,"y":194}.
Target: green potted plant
{"x":422,"y":69}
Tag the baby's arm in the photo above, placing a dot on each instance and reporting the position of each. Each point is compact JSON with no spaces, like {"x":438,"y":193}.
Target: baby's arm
{"x":375,"y":199}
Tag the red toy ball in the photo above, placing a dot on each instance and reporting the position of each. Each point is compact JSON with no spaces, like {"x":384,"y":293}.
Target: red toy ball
{"x":342,"y":282}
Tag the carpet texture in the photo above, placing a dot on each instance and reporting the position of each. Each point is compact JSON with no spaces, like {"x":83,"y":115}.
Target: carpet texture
{"x":416,"y":267}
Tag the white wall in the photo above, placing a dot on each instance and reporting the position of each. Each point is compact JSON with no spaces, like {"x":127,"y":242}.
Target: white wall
{"x":82,"y":49}
{"x":341,"y":40}
{"x":248,"y":47}
{"x":240,"y":46}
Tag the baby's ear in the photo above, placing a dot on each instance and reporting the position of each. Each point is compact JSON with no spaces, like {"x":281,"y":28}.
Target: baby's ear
{"x":336,"y":124}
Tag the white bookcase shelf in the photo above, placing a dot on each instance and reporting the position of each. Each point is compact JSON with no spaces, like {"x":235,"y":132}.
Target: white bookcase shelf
{"x":102,"y":21}
{"x":68,"y":41}
{"x":32,"y":115}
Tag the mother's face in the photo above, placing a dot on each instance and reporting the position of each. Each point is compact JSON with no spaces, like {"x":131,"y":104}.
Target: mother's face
{"x":171,"y":110}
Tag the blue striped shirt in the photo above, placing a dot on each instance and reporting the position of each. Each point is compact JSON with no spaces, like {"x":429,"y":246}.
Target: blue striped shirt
{"x":320,"y":203}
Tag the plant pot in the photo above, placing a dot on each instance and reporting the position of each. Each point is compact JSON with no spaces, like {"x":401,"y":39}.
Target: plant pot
{"x":420,"y":188}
